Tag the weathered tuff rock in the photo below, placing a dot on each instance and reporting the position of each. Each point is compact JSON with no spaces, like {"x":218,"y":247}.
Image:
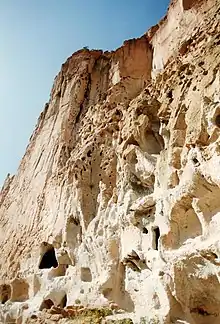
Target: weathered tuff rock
{"x":116,"y":200}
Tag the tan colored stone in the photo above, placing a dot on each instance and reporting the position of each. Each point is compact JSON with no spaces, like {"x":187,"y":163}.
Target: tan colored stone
{"x":116,"y":200}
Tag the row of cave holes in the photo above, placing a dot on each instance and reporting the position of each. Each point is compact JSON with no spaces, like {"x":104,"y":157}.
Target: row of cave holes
{"x":6,"y":294}
{"x":49,"y":258}
{"x":104,"y":167}
{"x":86,"y":276}
{"x":48,"y":261}
{"x":156,"y":236}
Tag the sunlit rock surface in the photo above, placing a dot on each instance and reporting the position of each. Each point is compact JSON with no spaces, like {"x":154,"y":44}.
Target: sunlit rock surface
{"x":116,"y":203}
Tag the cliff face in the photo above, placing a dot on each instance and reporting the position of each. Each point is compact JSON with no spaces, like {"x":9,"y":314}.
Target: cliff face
{"x":116,"y":200}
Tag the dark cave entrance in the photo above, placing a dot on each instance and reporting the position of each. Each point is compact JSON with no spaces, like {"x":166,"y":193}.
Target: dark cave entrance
{"x":5,"y":293}
{"x":46,"y":304}
{"x":49,"y":259}
{"x":156,"y":236}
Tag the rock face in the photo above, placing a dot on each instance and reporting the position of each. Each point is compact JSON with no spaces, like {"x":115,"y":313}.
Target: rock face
{"x":116,"y":200}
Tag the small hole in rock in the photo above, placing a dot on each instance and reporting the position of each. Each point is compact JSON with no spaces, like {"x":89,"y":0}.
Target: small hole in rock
{"x":5,"y":293}
{"x":46,"y":304}
{"x":74,"y":220}
{"x":195,"y":161}
{"x":201,"y":63}
{"x":145,"y":231}
{"x":156,"y":236}
{"x":170,"y":94}
{"x":200,"y":311}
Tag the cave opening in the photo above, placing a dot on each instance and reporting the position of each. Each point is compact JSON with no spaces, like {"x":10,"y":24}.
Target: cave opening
{"x":156,"y":236}
{"x":46,"y":304}
{"x":5,"y":293}
{"x":49,"y":259}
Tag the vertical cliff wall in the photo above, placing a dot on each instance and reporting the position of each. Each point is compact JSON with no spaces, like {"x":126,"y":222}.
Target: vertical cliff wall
{"x":116,"y":200}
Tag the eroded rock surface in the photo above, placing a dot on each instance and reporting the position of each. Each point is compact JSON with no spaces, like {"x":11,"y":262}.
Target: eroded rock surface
{"x":116,"y":200}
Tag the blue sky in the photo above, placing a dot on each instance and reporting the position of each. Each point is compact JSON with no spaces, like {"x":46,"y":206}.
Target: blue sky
{"x":36,"y":38}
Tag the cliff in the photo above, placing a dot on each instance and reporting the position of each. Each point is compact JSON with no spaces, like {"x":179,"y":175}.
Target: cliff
{"x":115,"y":205}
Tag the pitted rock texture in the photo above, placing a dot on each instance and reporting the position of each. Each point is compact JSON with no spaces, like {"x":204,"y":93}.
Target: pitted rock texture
{"x":115,"y":204}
